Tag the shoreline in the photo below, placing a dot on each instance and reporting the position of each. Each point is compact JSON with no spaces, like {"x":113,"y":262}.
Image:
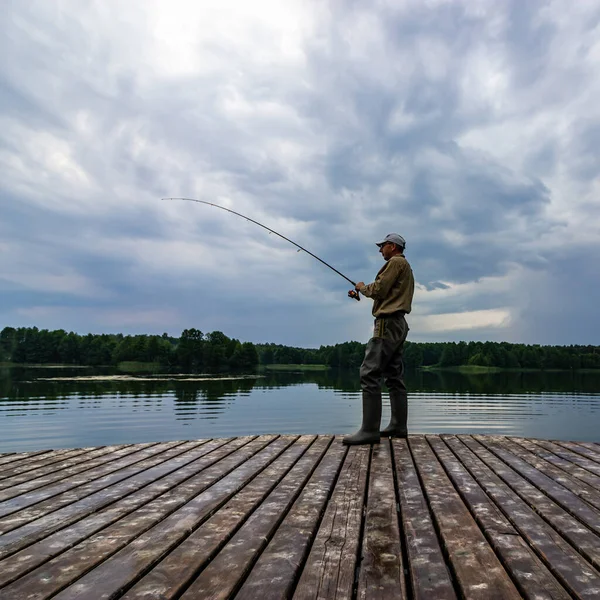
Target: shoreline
{"x":133,"y":366}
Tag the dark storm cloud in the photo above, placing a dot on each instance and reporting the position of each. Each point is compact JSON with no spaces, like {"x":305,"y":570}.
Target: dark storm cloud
{"x":563,"y":309}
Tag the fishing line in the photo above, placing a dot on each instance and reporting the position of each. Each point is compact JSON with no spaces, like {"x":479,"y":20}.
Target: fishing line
{"x":270,"y":231}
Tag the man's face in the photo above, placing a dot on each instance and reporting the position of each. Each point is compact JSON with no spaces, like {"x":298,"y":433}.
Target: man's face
{"x":387,"y":250}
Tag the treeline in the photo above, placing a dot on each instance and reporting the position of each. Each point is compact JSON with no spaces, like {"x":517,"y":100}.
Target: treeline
{"x":193,"y":350}
{"x":445,"y":354}
{"x":348,"y":354}
{"x":504,"y":355}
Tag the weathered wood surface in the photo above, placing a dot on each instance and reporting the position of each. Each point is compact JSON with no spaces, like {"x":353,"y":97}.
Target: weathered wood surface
{"x":269,"y":517}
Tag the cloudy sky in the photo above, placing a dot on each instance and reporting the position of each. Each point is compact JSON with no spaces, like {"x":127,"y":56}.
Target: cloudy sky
{"x":471,"y":128}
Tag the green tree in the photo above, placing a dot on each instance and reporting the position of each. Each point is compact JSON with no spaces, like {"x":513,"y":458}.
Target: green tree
{"x":450,"y":356}
{"x":8,"y":343}
{"x":99,"y":352}
{"x":531,"y":358}
{"x":68,"y":349}
{"x":480,"y":359}
{"x":512,"y":362}
{"x":249,"y":356}
{"x":413,"y":355}
{"x":190,"y":349}
{"x":124,"y":350}
{"x":266,"y":356}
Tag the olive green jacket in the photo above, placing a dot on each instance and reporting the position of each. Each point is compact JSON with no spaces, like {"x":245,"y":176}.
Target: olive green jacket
{"x":393,"y":288}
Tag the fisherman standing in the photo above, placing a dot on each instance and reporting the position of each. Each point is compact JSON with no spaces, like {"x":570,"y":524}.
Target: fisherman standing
{"x":392,"y":293}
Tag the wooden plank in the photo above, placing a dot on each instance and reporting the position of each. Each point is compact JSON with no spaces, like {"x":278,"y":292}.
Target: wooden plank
{"x":11,"y":458}
{"x":329,"y":568}
{"x":153,"y":525}
{"x":128,"y":497}
{"x":381,"y":572}
{"x":175,"y":572}
{"x":428,"y":572}
{"x":7,"y":457}
{"x":68,"y":568}
{"x":561,"y":495}
{"x":119,"y":470}
{"x":30,"y":466}
{"x":221,"y":577}
{"x":533,"y":578}
{"x":54,"y":488}
{"x":582,"y":483}
{"x":116,"y":574}
{"x":477,"y":569}
{"x":590,"y":451}
{"x":594,"y":447}
{"x":510,"y":492}
{"x":575,"y":464}
{"x":276,"y":571}
{"x":528,"y":572}
{"x":30,"y":493}
{"x":39,"y":486}
{"x":486,"y":513}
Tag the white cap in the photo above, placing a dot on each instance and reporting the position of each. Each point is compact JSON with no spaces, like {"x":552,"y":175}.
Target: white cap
{"x":394,"y":238}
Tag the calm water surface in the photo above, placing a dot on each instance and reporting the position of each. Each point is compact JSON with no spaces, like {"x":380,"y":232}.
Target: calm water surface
{"x":40,"y":414}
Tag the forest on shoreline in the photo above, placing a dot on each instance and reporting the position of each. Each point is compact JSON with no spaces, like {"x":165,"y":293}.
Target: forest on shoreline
{"x":215,"y":351}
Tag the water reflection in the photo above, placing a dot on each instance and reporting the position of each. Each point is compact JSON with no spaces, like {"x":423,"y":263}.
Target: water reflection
{"x":36,"y":413}
{"x":506,"y":382}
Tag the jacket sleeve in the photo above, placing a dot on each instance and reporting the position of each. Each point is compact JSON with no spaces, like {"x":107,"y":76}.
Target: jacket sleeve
{"x":380,"y":288}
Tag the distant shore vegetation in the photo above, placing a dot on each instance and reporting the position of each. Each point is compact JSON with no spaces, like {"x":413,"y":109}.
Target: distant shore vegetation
{"x":196,"y":351}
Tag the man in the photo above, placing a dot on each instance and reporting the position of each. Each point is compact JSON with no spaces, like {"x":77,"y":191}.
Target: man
{"x":392,"y":293}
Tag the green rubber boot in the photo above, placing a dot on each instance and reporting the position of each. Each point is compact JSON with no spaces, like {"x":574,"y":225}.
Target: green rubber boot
{"x":399,"y":405}
{"x":371,"y":421}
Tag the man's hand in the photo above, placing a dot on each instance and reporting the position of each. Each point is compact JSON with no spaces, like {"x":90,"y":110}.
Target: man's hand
{"x":359,"y":285}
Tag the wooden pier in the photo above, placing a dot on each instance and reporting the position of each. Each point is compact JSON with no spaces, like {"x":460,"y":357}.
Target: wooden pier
{"x":301,"y":517}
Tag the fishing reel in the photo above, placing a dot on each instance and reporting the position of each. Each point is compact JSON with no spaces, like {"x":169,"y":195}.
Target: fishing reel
{"x":354,"y":294}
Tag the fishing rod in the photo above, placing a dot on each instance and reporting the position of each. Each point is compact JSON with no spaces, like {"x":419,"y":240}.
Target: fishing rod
{"x":351,"y":293}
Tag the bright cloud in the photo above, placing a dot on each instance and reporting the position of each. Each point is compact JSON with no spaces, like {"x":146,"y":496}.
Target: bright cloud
{"x":464,"y":322}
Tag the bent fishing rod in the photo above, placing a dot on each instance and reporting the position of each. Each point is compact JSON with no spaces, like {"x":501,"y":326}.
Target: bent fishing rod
{"x":351,"y":293}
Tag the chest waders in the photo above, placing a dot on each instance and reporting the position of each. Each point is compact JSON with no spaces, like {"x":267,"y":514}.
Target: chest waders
{"x":383,"y":361}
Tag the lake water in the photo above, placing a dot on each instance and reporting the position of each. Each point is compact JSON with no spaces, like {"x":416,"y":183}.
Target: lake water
{"x":39,"y":414}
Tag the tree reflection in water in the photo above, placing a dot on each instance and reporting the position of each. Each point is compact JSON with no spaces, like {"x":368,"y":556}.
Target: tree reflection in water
{"x":36,"y":413}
